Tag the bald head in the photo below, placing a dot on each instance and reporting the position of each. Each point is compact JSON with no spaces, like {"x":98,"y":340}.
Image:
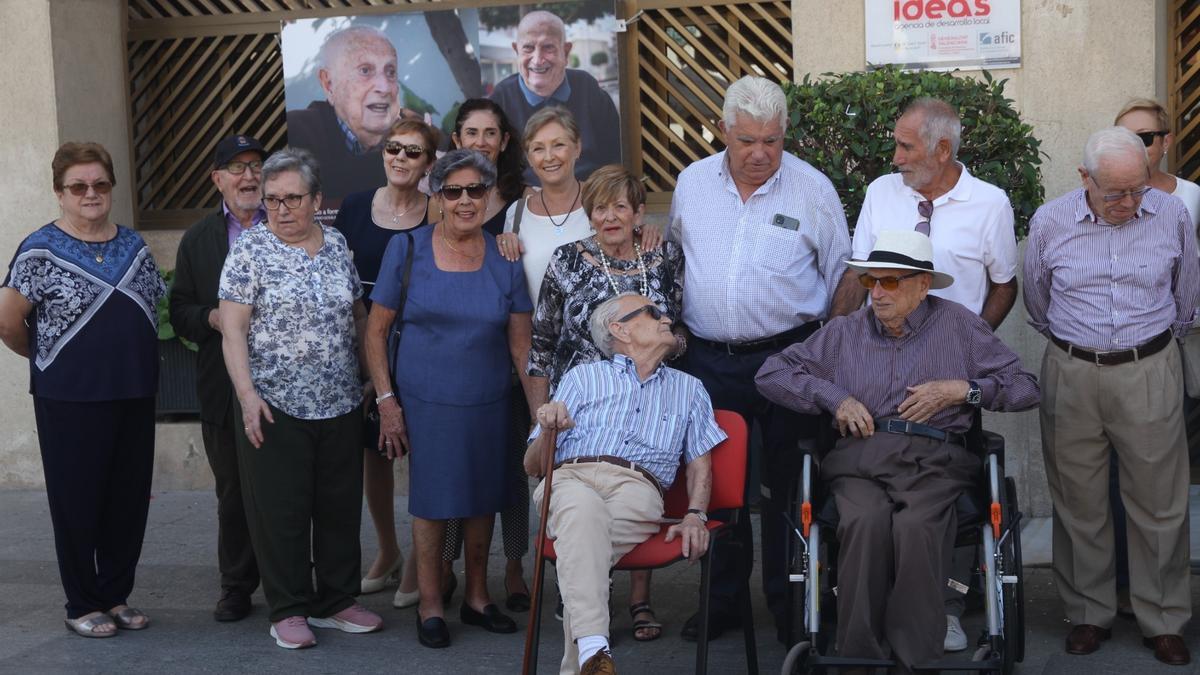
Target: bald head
{"x":542,"y":52}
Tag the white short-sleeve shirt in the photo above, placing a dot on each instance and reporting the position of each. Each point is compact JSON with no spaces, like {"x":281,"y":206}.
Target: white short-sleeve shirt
{"x":971,"y":230}
{"x":1189,"y":193}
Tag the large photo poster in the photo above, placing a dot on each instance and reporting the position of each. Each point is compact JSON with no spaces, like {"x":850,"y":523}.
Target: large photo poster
{"x":348,"y":79}
{"x":944,"y":34}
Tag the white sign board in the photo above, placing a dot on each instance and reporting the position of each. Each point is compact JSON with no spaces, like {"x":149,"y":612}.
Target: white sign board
{"x":944,"y":34}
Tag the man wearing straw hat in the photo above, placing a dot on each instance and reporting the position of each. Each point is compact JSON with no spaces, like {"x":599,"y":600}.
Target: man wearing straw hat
{"x":902,"y":378}
{"x":609,"y":478}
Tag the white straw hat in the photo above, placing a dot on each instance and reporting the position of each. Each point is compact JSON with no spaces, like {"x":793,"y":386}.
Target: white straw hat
{"x":903,"y":250}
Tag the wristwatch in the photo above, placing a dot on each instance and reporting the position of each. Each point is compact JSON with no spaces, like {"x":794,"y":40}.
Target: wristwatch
{"x":974,"y":395}
{"x":699,"y":514}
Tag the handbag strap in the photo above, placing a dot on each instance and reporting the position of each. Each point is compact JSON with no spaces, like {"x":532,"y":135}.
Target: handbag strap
{"x":517,"y":217}
{"x":394,"y":338}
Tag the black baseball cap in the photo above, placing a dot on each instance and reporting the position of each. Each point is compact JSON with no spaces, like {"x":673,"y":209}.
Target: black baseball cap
{"x":233,"y":146}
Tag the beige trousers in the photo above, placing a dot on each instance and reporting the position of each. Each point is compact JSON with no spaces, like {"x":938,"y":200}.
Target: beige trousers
{"x":598,"y":513}
{"x":1137,"y":409}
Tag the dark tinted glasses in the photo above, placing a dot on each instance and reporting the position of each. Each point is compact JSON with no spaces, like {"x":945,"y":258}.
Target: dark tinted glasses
{"x":413,"y":151}
{"x":102,"y":187}
{"x":889,"y":283}
{"x":453,"y":193}
{"x":651,"y":309}
{"x":1148,"y":136}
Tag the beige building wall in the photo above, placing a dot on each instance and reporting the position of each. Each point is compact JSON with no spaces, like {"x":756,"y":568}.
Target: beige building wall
{"x":1081,"y":60}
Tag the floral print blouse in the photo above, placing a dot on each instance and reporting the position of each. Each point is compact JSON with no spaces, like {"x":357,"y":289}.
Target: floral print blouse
{"x":302,"y":341}
{"x":575,"y":284}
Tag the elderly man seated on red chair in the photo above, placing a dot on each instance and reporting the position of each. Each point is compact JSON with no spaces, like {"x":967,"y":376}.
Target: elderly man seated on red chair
{"x":903,"y":378}
{"x":626,"y":424}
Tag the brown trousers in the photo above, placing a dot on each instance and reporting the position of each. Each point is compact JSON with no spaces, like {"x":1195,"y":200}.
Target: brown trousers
{"x":895,"y":497}
{"x":1135,"y":408}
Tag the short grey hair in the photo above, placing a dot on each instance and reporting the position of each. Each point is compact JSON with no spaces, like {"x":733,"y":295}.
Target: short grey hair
{"x":293,"y":159}
{"x":758,"y":98}
{"x":601,"y":317}
{"x":1110,"y":142}
{"x":461,"y":159}
{"x":335,"y":44}
{"x":939,"y":120}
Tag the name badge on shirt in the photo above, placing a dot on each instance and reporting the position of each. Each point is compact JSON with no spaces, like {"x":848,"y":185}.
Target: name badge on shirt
{"x":786,"y":222}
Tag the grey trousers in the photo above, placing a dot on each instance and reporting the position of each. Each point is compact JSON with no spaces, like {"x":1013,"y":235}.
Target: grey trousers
{"x":895,"y":496}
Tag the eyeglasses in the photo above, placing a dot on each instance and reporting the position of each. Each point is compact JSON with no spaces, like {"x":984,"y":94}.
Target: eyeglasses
{"x":290,"y":201}
{"x":238,"y":168}
{"x":1148,"y":136}
{"x":888,"y":283}
{"x":102,"y":187}
{"x":453,"y":193}
{"x":651,"y":309}
{"x":412,"y":151}
{"x":1120,"y":196}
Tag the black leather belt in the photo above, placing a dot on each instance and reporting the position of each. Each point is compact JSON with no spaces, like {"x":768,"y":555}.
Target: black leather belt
{"x":774,"y":343}
{"x":616,"y":461}
{"x":1154,"y":346}
{"x":894,"y":426}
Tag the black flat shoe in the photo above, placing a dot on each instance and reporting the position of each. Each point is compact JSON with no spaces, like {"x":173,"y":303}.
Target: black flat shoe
{"x":490,"y":619}
{"x":234,"y":605}
{"x":718,"y":623}
{"x":433,"y":632}
{"x":517,"y":602}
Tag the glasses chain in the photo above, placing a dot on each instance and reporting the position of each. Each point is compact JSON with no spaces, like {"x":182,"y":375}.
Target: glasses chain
{"x":637,"y":250}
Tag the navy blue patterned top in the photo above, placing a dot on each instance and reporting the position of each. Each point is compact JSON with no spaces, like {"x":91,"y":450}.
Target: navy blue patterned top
{"x":94,"y":322}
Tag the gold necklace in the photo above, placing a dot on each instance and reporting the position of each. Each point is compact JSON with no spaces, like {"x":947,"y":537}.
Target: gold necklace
{"x":95,"y":247}
{"x":446,"y":241}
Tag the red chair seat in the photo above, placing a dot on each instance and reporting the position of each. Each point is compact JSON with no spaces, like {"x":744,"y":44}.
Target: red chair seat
{"x":653,"y":553}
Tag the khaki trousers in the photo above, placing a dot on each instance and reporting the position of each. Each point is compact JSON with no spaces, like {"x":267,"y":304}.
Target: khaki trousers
{"x":598,"y":513}
{"x":1137,"y":409}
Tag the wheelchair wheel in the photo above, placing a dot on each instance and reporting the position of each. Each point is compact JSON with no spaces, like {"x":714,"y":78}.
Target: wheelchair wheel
{"x":1014,"y":594}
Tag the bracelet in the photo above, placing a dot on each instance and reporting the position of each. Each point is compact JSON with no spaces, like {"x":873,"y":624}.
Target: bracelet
{"x":381,"y":399}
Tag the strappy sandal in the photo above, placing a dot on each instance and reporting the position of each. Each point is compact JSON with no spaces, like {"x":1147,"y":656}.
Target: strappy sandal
{"x":127,"y":619}
{"x":644,"y":624}
{"x":85,"y":627}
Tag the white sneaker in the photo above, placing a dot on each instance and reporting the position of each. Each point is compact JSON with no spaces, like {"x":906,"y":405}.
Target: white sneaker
{"x":956,"y":639}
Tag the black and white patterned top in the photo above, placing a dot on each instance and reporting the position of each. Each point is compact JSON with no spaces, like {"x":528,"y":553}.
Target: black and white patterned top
{"x":94,"y":324}
{"x":302,"y":341}
{"x":575,"y":284}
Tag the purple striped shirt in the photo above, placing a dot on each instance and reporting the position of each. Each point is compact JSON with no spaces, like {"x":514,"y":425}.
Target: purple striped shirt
{"x":1111,"y":287}
{"x":855,"y":356}
{"x":233,"y":226}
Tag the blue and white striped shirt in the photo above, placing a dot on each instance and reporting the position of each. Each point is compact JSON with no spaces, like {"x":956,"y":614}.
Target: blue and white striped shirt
{"x":653,"y":423}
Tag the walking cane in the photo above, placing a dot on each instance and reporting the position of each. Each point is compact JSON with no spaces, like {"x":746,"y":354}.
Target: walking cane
{"x":529,"y":665}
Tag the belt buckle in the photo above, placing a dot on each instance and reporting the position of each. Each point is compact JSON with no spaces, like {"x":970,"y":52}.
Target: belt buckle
{"x":1096,"y":357}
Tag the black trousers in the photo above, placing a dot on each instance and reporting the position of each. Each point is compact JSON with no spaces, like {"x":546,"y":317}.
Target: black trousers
{"x":235,"y":553}
{"x":729,"y":380}
{"x":303,"y":496}
{"x":98,"y":460}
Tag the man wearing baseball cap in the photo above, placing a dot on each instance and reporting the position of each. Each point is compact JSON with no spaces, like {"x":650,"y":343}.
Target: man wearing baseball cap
{"x":237,"y":164}
{"x":902,"y":378}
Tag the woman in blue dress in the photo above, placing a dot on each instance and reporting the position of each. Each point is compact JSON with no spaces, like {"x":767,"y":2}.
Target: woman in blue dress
{"x":89,"y":289}
{"x":465,"y":316}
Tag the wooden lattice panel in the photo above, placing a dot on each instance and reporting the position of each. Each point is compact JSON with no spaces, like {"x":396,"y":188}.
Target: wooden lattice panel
{"x":1184,"y":85}
{"x":686,"y":57}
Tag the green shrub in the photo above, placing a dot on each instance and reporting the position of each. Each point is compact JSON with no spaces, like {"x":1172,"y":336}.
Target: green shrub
{"x":165,"y":330}
{"x":842,"y":125}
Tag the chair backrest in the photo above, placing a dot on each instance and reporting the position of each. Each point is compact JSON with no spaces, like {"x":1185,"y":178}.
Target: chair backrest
{"x":728,"y":470}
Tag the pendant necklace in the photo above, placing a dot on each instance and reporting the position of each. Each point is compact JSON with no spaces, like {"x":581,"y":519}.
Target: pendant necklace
{"x":558,"y":227}
{"x":637,"y":251}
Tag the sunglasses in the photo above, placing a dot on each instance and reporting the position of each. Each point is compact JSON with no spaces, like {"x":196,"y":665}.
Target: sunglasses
{"x":651,"y":309}
{"x":453,"y":193}
{"x":239,"y":168}
{"x":1148,"y":136}
{"x":290,"y":201}
{"x":412,"y":151}
{"x":102,"y":187}
{"x":888,"y":283}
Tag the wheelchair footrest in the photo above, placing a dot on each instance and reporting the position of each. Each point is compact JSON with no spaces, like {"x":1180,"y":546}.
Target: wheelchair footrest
{"x":959,"y":665}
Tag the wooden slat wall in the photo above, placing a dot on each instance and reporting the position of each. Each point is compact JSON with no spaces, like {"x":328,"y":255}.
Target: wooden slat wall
{"x":200,"y":70}
{"x":1184,"y":87}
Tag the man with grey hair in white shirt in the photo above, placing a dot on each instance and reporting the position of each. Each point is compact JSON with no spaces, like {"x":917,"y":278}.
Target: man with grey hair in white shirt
{"x":765,"y":239}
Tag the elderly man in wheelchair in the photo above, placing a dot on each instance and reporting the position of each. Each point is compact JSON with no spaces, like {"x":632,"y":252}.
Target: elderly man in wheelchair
{"x":904,"y":379}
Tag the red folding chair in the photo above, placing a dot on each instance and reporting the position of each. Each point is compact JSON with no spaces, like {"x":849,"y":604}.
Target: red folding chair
{"x":728,"y":489}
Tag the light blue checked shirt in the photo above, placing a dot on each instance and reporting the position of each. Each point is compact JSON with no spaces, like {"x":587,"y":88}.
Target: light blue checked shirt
{"x":653,"y":423}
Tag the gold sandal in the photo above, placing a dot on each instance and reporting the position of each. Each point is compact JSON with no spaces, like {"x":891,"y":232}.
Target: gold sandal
{"x":86,"y":627}
{"x":127,"y":618}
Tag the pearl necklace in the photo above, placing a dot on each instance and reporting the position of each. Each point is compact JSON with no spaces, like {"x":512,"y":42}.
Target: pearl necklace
{"x":637,"y":250}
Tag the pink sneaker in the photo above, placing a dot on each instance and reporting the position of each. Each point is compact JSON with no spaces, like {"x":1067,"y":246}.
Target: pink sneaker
{"x":293,"y":633}
{"x":353,"y":619}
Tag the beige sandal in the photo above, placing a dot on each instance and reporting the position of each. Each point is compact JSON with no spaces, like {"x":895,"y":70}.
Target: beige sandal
{"x":86,"y":627}
{"x":127,"y":618}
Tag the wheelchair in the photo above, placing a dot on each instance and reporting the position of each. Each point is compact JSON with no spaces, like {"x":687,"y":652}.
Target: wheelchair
{"x":988,"y":518}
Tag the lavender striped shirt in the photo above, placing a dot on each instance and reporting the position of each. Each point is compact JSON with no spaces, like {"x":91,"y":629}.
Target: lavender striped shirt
{"x":1111,"y":287}
{"x":854,"y":356}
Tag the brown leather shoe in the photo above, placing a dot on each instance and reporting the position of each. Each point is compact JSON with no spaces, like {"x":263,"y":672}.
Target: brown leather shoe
{"x":1086,"y":638}
{"x":601,"y":663}
{"x":1169,"y":649}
